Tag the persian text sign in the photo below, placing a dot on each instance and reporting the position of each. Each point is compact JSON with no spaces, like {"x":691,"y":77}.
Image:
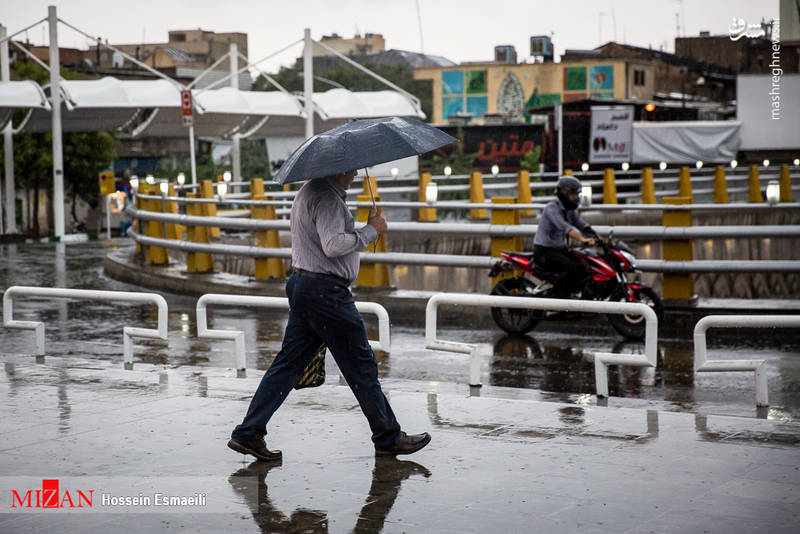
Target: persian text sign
{"x":611,"y":134}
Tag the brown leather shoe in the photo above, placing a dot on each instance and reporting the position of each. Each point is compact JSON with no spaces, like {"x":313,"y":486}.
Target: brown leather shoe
{"x":256,"y":447}
{"x":406,"y":444}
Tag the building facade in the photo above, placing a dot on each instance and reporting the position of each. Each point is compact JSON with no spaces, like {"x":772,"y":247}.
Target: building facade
{"x":480,"y":90}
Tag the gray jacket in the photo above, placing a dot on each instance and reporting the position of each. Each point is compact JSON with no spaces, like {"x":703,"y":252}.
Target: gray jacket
{"x":555,"y":222}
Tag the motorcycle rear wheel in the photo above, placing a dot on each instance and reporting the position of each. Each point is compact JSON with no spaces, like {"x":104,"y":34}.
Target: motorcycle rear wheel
{"x":515,"y":320}
{"x":633,"y":326}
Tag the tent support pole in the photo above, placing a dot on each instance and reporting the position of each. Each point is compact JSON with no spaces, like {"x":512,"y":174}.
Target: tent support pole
{"x":55,"y":99}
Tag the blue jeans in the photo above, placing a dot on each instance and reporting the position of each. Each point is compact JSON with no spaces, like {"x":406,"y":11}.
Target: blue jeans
{"x":322,"y":311}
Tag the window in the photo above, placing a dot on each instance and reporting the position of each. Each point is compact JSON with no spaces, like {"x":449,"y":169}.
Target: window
{"x":638,"y":77}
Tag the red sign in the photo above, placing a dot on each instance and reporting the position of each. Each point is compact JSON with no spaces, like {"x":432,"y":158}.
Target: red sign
{"x":186,"y":107}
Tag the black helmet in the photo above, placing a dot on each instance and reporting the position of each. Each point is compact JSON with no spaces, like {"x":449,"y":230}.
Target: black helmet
{"x":565,"y":186}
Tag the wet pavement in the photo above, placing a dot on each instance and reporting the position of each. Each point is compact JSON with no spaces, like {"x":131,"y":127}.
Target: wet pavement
{"x":533,"y":450}
{"x":495,"y":463}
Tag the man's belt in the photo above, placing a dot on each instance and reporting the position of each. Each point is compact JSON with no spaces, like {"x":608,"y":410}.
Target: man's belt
{"x":324,"y":276}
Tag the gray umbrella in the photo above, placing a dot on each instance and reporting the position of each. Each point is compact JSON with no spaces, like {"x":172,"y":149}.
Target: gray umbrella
{"x":360,"y":144}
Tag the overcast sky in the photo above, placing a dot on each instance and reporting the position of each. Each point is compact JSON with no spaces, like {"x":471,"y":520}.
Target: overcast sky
{"x":460,"y":30}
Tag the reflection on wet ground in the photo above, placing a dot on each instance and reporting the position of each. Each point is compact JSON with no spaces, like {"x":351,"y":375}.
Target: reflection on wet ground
{"x":556,"y":359}
{"x":387,"y":477}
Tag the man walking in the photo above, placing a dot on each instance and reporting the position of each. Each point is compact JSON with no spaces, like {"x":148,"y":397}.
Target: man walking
{"x":325,"y":258}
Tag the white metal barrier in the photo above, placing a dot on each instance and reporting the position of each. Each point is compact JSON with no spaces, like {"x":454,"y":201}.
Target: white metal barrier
{"x":128,"y":332}
{"x":703,"y":365}
{"x":601,"y":359}
{"x":281,"y":303}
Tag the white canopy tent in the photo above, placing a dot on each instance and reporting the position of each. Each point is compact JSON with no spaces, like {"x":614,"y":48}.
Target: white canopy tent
{"x":20,"y":95}
{"x":152,"y":108}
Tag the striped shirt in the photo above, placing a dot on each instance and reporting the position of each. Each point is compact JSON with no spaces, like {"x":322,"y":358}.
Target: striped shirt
{"x":324,"y":237}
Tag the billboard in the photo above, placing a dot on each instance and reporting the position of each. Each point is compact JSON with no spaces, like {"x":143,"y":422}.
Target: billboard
{"x":611,"y":134}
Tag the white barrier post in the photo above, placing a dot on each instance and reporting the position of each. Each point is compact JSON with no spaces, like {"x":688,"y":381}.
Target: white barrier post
{"x":703,"y":365}
{"x":601,"y":359}
{"x":281,"y":303}
{"x":128,"y":332}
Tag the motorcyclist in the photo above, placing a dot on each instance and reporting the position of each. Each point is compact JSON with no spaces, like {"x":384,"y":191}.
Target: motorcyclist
{"x":558,"y":221}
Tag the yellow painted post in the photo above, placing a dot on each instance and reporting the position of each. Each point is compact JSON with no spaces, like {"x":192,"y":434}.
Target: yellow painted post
{"x":720,"y":186}
{"x":267,"y":267}
{"x":372,"y":274}
{"x":609,"y":187}
{"x":648,"y":187}
{"x":524,"y":191}
{"x":372,"y":182}
{"x":174,"y":231}
{"x":786,"y":184}
{"x":140,"y":205}
{"x":287,"y":188}
{"x":753,"y":185}
{"x":209,"y":210}
{"x":256,"y":188}
{"x":198,"y":262}
{"x":677,"y":286}
{"x":505,"y":216}
{"x":476,"y":195}
{"x":155,"y":255}
{"x":685,"y":184}
{"x":425,"y":214}
{"x":568,"y":172}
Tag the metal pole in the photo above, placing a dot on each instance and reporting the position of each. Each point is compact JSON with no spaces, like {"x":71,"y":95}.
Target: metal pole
{"x":8,"y":144}
{"x":55,"y":101}
{"x":559,"y":125}
{"x":237,"y":154}
{"x":191,"y":154}
{"x":108,"y":216}
{"x":308,"y":83}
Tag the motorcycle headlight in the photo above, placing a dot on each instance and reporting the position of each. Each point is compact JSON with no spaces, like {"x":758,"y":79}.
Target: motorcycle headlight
{"x":630,"y":257}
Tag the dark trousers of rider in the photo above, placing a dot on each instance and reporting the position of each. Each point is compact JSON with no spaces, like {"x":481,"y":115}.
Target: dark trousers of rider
{"x":567,"y":272}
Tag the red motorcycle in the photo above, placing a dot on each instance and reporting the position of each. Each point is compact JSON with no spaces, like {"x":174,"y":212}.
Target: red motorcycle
{"x":605,"y":268}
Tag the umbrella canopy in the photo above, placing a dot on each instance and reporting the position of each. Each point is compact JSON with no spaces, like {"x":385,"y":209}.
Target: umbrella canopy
{"x":360,"y":144}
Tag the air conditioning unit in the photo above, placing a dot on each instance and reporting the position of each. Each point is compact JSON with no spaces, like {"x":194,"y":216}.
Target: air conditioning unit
{"x":541,"y":45}
{"x":505,"y":54}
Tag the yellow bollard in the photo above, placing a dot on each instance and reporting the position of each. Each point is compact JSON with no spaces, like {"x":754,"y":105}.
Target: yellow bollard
{"x":155,"y":255}
{"x":197,"y":262}
{"x":476,"y":195}
{"x":140,"y":205}
{"x":786,"y":184}
{"x":648,"y":187}
{"x":256,"y":188}
{"x":568,"y":172}
{"x":267,"y":267}
{"x":174,"y":231}
{"x":677,"y":286}
{"x":372,"y":274}
{"x":209,"y":210}
{"x":720,"y":186}
{"x":753,"y":185}
{"x":505,"y":216}
{"x":425,"y":214}
{"x":685,"y":184}
{"x":609,"y":187}
{"x":524,"y":191}
{"x":372,"y":182}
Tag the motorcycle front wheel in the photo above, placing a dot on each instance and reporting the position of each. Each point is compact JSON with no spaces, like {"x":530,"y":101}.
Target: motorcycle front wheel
{"x":515,"y":320}
{"x":632,"y":326}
